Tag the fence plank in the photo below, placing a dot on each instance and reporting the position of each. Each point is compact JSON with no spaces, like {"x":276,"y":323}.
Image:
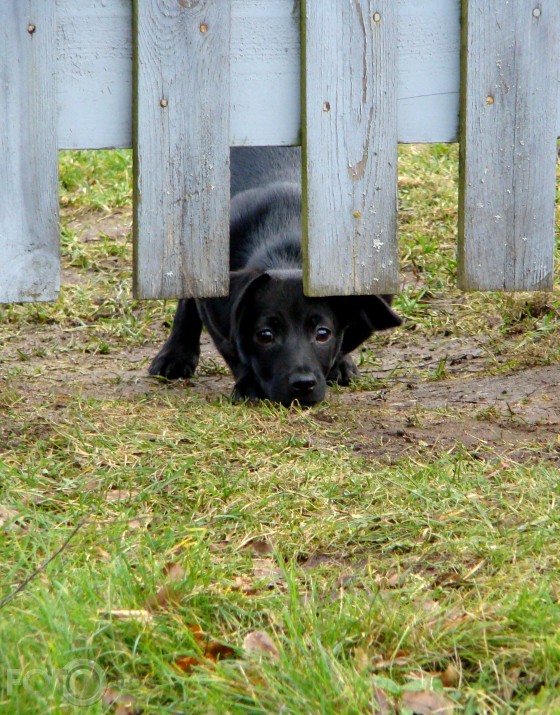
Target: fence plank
{"x":509,"y":127}
{"x":181,"y":149}
{"x":350,"y":146}
{"x":29,"y":269}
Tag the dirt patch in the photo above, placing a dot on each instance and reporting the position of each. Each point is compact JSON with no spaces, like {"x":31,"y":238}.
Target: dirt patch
{"x":426,"y":395}
{"x":511,"y":416}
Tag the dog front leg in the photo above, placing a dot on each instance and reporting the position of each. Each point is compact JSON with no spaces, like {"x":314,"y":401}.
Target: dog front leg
{"x":180,"y":353}
{"x":343,"y":371}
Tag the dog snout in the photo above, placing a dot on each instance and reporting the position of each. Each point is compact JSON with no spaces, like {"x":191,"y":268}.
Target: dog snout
{"x":303,"y":383}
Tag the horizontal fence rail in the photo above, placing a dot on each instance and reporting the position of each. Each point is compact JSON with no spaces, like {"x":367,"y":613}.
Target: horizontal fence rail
{"x":216,"y":73}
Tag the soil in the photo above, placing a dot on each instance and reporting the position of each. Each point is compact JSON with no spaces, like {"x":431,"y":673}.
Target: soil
{"x":511,"y":416}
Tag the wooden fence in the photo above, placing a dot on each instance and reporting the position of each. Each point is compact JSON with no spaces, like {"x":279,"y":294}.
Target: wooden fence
{"x":182,"y":80}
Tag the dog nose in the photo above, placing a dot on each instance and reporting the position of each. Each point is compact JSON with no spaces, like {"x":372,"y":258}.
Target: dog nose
{"x":303,"y":383}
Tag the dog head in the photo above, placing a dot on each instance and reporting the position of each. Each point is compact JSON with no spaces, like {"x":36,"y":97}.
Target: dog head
{"x":281,"y":344}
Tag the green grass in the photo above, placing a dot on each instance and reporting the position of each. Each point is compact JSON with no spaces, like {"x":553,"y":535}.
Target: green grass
{"x":438,"y":573}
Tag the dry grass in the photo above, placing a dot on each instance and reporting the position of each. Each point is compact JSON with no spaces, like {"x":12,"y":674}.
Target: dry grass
{"x":194,"y":523}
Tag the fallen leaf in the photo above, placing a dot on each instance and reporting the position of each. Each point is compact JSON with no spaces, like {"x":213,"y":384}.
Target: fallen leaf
{"x":259,"y":642}
{"x":187,"y":662}
{"x":318,"y":559}
{"x":257,"y":546}
{"x":125,"y":704}
{"x":138,"y":524}
{"x":394,"y":580}
{"x":210,"y":651}
{"x":218,"y":651}
{"x":173,"y":571}
{"x":103,"y":554}
{"x":166,"y":593}
{"x":116,"y":495}
{"x":7,"y":515}
{"x":362,"y":659}
{"x":426,"y":702}
{"x":450,"y":677}
{"x":244,"y":584}
{"x":510,"y":685}
{"x":219,"y":546}
{"x":474,"y":570}
{"x":383,"y":703}
{"x":140,"y":615}
{"x":197,"y":631}
{"x":266,"y":570}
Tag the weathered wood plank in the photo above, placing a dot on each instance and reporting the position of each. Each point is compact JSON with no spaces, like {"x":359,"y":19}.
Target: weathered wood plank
{"x":350,"y":147}
{"x":181,"y":149}
{"x":29,"y":269}
{"x":508,"y":157}
{"x":95,"y":72}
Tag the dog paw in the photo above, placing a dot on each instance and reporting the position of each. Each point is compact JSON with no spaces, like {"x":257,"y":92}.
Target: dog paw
{"x":343,"y":372}
{"x":246,"y":388}
{"x":173,"y":365}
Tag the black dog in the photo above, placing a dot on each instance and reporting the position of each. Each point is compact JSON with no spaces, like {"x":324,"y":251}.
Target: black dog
{"x":278,"y":343}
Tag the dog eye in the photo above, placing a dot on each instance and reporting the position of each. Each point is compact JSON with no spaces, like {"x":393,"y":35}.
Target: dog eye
{"x":264,"y":336}
{"x":322,"y":335}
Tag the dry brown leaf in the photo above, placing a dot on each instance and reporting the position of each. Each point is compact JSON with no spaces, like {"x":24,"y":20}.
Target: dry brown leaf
{"x":217,"y":651}
{"x":138,"y":523}
{"x":187,"y":662}
{"x":394,"y":580}
{"x":259,"y":642}
{"x":426,"y":702}
{"x":362,"y":659}
{"x":510,"y":685}
{"x":266,"y":570}
{"x":318,"y":559}
{"x":116,"y":495}
{"x":125,"y":704}
{"x":450,"y":677}
{"x":166,"y":593}
{"x":211,"y":650}
{"x":219,"y":546}
{"x":126,"y":709}
{"x":244,"y":584}
{"x":7,"y":515}
{"x":383,"y":703}
{"x":140,"y":615}
{"x":173,"y":571}
{"x":103,"y":554}
{"x":258,"y":546}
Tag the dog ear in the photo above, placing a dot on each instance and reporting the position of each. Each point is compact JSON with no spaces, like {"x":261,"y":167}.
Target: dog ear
{"x":360,"y":316}
{"x":222,"y":315}
{"x":243,"y":285}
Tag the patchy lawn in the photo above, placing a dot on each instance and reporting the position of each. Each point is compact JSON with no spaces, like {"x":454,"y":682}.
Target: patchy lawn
{"x":165,"y":551}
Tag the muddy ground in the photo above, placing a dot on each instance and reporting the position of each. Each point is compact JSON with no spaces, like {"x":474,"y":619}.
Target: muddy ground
{"x":426,"y":396}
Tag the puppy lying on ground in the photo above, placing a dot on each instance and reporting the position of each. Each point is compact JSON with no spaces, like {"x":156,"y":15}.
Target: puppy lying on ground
{"x":278,"y":343}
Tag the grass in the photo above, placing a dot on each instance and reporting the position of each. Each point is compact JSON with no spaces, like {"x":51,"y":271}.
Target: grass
{"x":153,"y":536}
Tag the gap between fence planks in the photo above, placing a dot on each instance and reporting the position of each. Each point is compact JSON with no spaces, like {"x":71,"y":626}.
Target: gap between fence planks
{"x":29,"y":234}
{"x":509,"y":118}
